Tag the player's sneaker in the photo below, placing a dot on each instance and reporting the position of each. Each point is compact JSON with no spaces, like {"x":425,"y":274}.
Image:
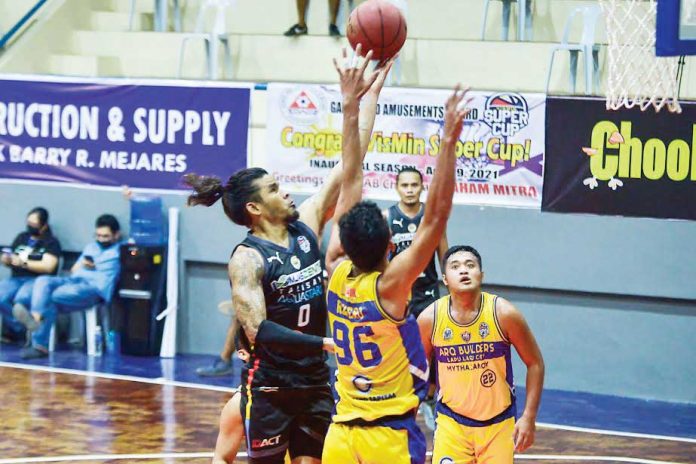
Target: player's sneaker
{"x":219,"y":368}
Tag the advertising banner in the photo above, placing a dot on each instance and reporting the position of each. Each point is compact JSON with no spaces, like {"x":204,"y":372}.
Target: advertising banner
{"x":113,"y":133}
{"x":627,"y":162}
{"x":500,"y":155}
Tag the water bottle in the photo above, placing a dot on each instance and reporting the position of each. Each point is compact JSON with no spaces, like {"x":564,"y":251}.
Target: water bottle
{"x":113,"y":342}
{"x":98,"y":341}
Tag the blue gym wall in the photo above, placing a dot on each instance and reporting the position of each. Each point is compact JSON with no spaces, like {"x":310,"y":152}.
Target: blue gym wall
{"x":612,"y":301}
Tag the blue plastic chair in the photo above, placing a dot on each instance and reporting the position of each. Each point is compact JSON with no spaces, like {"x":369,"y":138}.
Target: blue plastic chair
{"x":587,"y":45}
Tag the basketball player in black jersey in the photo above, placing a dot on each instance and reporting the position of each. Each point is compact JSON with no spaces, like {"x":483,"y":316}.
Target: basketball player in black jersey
{"x":404,"y":218}
{"x":278,"y":293}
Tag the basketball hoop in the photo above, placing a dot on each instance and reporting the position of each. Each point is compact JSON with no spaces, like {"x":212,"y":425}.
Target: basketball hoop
{"x":636,"y":76}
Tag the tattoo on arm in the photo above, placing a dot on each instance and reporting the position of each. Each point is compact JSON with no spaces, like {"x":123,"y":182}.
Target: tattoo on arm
{"x":246,"y":272}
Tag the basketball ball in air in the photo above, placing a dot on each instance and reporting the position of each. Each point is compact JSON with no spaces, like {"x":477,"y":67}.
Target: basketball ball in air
{"x":379,"y":26}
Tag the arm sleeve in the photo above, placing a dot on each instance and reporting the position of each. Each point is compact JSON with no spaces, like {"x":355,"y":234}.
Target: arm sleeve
{"x":271,"y":333}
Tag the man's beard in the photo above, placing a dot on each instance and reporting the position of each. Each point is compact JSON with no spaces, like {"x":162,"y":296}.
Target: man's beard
{"x":292,"y":217}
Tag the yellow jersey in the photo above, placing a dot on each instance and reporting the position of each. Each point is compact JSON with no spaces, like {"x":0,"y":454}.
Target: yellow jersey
{"x":474,"y":369}
{"x":381,"y":366}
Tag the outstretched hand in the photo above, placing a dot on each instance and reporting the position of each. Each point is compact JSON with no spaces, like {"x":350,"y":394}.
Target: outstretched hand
{"x":382,"y":69}
{"x":455,"y":111}
{"x":354,"y":84}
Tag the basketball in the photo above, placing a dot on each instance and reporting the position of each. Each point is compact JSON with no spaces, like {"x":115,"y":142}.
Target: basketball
{"x":379,"y":26}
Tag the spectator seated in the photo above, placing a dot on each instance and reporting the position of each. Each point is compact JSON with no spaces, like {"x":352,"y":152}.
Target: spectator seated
{"x":33,"y":253}
{"x":91,"y":281}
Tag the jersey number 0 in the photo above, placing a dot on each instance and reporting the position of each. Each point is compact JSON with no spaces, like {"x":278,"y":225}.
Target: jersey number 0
{"x":303,"y":315}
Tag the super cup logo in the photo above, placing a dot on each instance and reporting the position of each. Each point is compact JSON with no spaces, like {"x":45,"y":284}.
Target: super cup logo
{"x":506,"y":113}
{"x":301,"y":105}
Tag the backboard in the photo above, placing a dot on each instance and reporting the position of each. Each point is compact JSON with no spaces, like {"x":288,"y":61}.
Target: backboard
{"x":676,"y":28}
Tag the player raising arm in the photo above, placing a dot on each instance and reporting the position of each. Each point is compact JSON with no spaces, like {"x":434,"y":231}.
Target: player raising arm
{"x":381,"y":367}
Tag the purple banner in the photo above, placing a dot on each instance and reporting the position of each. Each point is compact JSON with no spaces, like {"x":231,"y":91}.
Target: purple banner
{"x":100,"y":133}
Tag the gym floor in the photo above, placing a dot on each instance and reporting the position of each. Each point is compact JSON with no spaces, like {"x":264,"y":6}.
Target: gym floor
{"x":72,"y":408}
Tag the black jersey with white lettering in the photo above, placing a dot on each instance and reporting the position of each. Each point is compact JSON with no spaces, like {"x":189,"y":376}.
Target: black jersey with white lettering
{"x":294,"y":292}
{"x":403,"y":230}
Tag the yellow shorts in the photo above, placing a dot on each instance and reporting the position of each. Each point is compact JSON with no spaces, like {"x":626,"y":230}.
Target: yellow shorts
{"x":460,"y":444}
{"x":399,"y":442}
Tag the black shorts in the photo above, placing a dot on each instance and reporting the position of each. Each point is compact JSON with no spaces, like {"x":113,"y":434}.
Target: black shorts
{"x":280,"y":419}
{"x":422,"y":297}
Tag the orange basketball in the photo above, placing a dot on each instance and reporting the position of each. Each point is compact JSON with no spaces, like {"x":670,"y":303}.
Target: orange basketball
{"x":379,"y":26}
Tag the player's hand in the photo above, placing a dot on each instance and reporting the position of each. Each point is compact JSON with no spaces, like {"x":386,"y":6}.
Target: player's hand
{"x":382,"y":69}
{"x":243,"y":355}
{"x":455,"y":111}
{"x":329,"y":345}
{"x":6,"y":259}
{"x":354,"y":84}
{"x":16,"y":261}
{"x":523,"y":435}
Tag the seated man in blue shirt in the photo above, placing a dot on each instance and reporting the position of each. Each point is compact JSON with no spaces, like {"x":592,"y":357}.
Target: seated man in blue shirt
{"x":91,"y":281}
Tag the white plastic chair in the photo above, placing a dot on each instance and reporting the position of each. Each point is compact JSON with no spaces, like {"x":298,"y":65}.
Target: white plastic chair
{"x":524,"y":19}
{"x":90,"y":330}
{"x":161,"y":15}
{"x":218,"y":34}
{"x":587,"y":45}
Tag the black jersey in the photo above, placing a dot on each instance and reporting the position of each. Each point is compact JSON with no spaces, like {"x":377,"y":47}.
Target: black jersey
{"x":294,"y":291}
{"x":403,"y":230}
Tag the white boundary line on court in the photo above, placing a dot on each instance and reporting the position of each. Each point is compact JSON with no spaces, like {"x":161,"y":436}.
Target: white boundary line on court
{"x":102,"y":375}
{"x":112,"y":457}
{"x":199,"y":386}
{"x":571,"y":428}
{"x":563,"y":457}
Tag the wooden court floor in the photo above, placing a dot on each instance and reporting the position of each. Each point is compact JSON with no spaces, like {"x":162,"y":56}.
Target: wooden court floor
{"x":52,"y":415}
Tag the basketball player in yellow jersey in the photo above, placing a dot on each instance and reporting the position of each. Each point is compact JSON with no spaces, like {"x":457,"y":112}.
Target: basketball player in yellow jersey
{"x":472,"y":333}
{"x":381,"y":367}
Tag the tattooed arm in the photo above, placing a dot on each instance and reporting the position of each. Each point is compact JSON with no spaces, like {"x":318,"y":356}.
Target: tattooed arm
{"x":245,"y":270}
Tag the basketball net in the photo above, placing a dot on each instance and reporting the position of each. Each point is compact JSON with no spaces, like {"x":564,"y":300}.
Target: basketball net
{"x":636,"y":76}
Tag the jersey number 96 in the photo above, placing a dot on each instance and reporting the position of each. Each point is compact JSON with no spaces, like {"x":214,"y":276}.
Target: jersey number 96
{"x":367,"y":353}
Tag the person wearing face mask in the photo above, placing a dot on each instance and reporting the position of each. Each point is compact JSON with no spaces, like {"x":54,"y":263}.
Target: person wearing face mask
{"x":91,"y":281}
{"x":34,"y":252}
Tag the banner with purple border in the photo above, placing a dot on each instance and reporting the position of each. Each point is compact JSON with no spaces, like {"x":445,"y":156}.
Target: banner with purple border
{"x":627,"y":162}
{"x":110,"y":132}
{"x":500,"y":155}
